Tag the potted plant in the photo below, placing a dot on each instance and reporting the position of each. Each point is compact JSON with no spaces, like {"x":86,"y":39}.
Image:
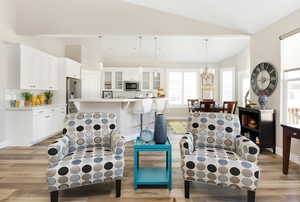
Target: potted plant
{"x":27,"y":97}
{"x":48,"y":95}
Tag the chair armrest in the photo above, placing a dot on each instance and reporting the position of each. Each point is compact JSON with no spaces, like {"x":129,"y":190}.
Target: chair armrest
{"x":58,"y":149}
{"x":246,"y":149}
{"x":118,"y":145}
{"x":186,"y":144}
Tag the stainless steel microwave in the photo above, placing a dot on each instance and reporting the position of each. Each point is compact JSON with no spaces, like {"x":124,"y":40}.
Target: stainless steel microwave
{"x":131,"y":86}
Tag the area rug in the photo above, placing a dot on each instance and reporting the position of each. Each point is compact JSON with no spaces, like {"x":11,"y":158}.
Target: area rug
{"x":177,"y":127}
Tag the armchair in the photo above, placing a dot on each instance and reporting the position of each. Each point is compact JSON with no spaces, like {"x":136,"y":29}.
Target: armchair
{"x":214,"y":152}
{"x":90,"y":152}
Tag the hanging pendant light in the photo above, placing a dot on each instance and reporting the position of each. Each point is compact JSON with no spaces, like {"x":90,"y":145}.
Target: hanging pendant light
{"x":156,"y":53}
{"x":207,"y":77}
{"x":140,"y":54}
{"x":100,"y":51}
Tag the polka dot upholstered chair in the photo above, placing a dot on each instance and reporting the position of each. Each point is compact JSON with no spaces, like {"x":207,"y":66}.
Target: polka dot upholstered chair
{"x":90,"y":152}
{"x":214,"y":152}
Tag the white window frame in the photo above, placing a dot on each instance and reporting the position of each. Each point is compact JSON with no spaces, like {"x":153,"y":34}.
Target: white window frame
{"x":233,"y":69}
{"x":285,"y":94}
{"x":197,"y":71}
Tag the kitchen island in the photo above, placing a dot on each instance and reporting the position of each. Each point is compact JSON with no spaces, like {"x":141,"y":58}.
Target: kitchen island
{"x":128,"y":110}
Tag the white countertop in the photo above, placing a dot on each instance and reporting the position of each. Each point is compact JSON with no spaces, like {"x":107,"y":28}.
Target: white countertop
{"x":114,"y":99}
{"x":35,"y":108}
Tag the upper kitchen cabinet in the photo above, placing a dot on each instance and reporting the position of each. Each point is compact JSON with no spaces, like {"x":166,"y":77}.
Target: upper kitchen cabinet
{"x":73,"y":68}
{"x":29,"y":68}
{"x":151,"y":79}
{"x":113,"y":79}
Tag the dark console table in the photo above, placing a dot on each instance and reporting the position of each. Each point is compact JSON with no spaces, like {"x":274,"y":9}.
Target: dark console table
{"x":289,"y":132}
{"x":263,"y":133}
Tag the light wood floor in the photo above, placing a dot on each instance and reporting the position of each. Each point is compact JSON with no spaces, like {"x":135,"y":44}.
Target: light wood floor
{"x":22,"y":179}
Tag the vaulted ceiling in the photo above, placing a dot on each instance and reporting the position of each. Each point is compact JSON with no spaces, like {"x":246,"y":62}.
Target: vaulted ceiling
{"x":164,"y":17}
{"x":247,"y":16}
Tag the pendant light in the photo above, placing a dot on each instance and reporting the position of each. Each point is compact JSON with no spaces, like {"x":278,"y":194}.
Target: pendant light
{"x":156,"y":53}
{"x":140,"y":38}
{"x":100,"y":51}
{"x":207,"y":77}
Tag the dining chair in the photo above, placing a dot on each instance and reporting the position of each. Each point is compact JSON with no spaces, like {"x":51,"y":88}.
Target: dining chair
{"x":207,"y":106}
{"x":191,"y":103}
{"x":229,"y":107}
{"x":208,"y":100}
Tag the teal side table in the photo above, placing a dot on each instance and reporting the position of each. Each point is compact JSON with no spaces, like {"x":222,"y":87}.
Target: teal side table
{"x":152,"y":175}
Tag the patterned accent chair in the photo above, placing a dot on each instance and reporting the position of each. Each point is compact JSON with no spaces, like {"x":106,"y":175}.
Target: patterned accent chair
{"x":214,"y":152}
{"x":90,"y":152}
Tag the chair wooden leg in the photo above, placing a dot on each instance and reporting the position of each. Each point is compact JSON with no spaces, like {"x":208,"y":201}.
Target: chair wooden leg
{"x":251,"y":196}
{"x":187,"y":189}
{"x":54,"y":196}
{"x":118,"y":188}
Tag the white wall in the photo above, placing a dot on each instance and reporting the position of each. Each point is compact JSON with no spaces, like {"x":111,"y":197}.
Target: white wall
{"x":241,"y":63}
{"x":265,"y":47}
{"x":8,"y":34}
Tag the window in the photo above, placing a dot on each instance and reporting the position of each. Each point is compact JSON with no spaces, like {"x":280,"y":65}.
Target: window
{"x":182,"y":86}
{"x":292,"y":95}
{"x":227,"y":84}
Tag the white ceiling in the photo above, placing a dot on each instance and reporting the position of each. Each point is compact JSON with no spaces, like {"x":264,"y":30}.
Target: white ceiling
{"x":178,"y":49}
{"x":248,"y":16}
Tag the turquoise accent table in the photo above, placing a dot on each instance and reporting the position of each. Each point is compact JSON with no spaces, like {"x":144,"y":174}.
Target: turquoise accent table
{"x":152,"y":176}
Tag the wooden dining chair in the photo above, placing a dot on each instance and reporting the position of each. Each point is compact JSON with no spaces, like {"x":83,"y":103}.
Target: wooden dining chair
{"x":191,"y":102}
{"x":229,"y":107}
{"x":208,"y":100}
{"x":207,"y":106}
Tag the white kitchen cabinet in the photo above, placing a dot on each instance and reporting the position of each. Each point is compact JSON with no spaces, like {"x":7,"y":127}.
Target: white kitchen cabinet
{"x":30,"y":69}
{"x":73,"y":68}
{"x":90,"y":84}
{"x":34,"y":125}
{"x":146,"y":81}
{"x":151,"y":80}
{"x":53,"y":73}
{"x":113,"y":80}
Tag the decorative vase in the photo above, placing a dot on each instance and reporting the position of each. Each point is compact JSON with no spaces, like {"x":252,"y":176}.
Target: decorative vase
{"x":27,"y":103}
{"x":160,"y":129}
{"x":263,"y":101}
{"x":49,"y":102}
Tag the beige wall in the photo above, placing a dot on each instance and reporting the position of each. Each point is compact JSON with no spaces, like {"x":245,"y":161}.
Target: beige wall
{"x":265,"y":47}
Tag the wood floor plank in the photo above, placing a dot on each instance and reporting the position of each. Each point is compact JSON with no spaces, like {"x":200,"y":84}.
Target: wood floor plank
{"x":23,"y":171}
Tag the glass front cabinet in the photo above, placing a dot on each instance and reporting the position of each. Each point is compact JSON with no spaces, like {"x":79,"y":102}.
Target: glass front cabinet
{"x":151,"y":80}
{"x":113,"y":80}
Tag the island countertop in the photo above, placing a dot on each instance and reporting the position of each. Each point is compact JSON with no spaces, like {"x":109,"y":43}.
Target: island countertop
{"x":115,"y":99}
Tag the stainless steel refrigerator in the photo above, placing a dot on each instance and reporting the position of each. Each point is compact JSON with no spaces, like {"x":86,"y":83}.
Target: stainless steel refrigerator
{"x":73,"y":90}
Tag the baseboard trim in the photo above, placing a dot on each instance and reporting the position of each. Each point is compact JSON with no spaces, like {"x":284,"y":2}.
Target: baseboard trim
{"x":181,"y":118}
{"x":293,"y":157}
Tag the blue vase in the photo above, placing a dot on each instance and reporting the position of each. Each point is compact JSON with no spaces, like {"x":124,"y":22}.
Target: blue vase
{"x":263,"y":101}
{"x":160,"y":129}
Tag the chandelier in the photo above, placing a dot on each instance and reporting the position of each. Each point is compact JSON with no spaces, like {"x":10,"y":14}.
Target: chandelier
{"x":207,"y":78}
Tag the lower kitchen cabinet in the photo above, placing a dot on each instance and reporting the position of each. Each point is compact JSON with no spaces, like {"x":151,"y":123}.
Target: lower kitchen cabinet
{"x":25,"y":127}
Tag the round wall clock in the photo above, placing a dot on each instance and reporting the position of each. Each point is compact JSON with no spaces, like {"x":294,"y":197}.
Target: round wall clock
{"x":264,"y":79}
